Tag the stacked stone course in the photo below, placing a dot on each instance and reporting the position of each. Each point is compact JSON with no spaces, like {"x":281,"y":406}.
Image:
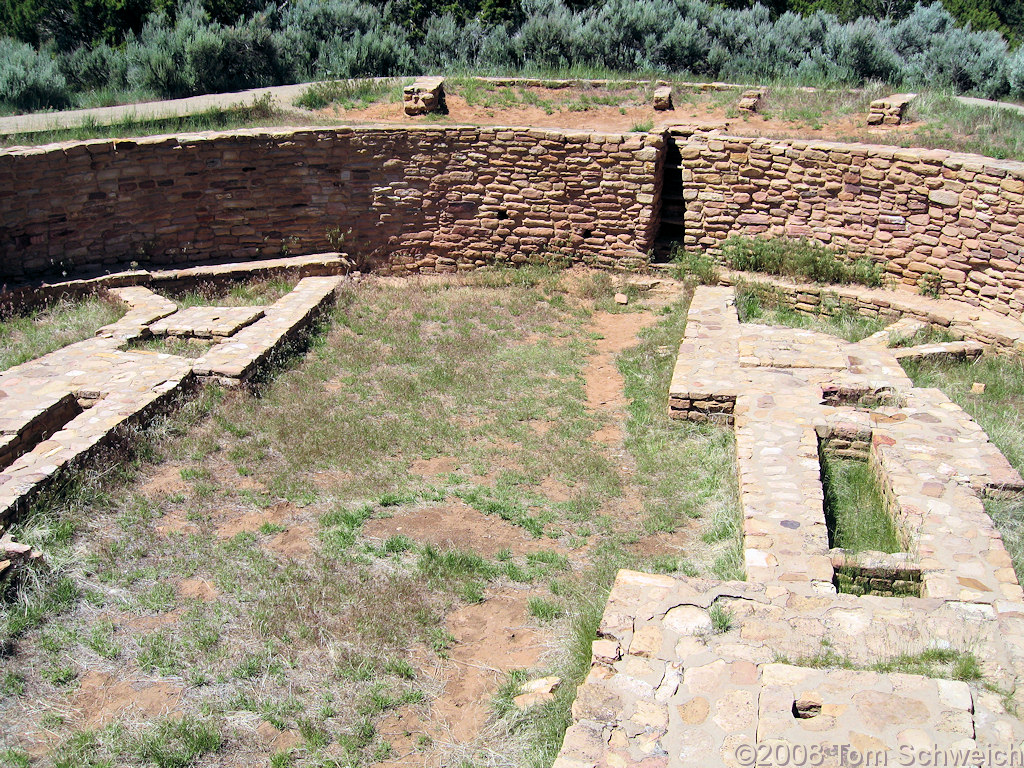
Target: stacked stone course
{"x":917,"y":212}
{"x":416,"y":199}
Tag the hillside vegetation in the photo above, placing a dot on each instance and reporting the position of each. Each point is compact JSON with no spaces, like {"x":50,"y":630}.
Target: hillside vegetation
{"x":91,"y":52}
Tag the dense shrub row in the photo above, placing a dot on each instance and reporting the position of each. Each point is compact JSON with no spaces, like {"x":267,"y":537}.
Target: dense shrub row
{"x":194,"y":53}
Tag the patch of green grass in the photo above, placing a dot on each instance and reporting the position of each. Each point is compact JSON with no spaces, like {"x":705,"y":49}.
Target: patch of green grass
{"x":177,"y":742}
{"x":159,"y":598}
{"x":545,"y":610}
{"x":247,"y":293}
{"x":181,"y":346}
{"x":15,"y":758}
{"x":340,"y":527}
{"x":763,"y":303}
{"x":942,"y":663}
{"x":12,"y":684}
{"x":721,"y":618}
{"x":1000,"y":412}
{"x":690,"y":265}
{"x":350,"y":94}
{"x":819,"y":107}
{"x":952,"y":125}
{"x":27,"y":336}
{"x":160,"y":651}
{"x":686,"y":470}
{"x":101,"y":640}
{"x":541,"y":728}
{"x":645,"y":126}
{"x":855,"y":510}
{"x":930,"y":334}
{"x":799,"y":259}
{"x":261,"y":111}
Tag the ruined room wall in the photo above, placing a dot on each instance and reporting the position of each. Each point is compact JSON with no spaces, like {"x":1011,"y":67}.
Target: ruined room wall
{"x":416,"y":199}
{"x":918,"y":211}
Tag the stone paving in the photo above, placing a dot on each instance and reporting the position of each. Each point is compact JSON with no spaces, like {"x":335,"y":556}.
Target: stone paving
{"x":60,"y":408}
{"x":186,"y":278}
{"x":787,"y":664}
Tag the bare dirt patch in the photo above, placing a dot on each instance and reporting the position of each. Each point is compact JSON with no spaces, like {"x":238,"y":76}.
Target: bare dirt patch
{"x":235,"y":522}
{"x":492,"y":638}
{"x":439,"y":465}
{"x":453,"y":524}
{"x":147,"y":623}
{"x":279,"y":741}
{"x":102,"y":698}
{"x":828,"y":117}
{"x":175,"y":520}
{"x":165,"y":481}
{"x":296,"y":542}
{"x":197,"y":589}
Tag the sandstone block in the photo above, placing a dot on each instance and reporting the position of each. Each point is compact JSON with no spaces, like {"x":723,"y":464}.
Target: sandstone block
{"x":425,"y":96}
{"x":663,"y":98}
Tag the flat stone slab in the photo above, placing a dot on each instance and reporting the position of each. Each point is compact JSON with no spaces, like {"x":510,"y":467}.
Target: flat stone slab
{"x":206,"y":322}
{"x":774,"y":347}
{"x":995,"y":331}
{"x":235,"y":359}
{"x":332,"y":263}
{"x":666,"y":688}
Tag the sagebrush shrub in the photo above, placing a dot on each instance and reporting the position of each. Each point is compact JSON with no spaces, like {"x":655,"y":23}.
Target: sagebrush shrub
{"x":29,"y":79}
{"x":189,"y":52}
{"x":194,"y":54}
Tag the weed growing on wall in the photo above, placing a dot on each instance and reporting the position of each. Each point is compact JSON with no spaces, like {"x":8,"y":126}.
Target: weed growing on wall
{"x":799,"y":259}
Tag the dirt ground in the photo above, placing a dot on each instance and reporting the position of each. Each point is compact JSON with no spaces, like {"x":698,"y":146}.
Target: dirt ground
{"x":566,"y":108}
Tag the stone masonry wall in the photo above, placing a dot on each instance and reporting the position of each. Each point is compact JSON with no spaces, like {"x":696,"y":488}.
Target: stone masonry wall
{"x":919,"y":212}
{"x":415,"y":198}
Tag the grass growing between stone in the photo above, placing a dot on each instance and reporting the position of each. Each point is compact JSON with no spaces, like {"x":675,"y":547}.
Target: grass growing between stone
{"x":952,"y":125}
{"x":855,"y":511}
{"x":941,"y":663}
{"x":817,"y":108}
{"x":247,"y":294}
{"x":350,"y":94}
{"x":764,"y":304}
{"x":1000,"y":412}
{"x":28,"y":336}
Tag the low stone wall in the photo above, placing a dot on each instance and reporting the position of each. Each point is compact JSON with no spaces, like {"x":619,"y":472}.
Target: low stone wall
{"x":953,"y":220}
{"x":415,"y":199}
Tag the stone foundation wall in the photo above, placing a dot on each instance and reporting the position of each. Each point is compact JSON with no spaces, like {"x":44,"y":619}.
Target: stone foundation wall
{"x":415,"y":199}
{"x":927,"y":215}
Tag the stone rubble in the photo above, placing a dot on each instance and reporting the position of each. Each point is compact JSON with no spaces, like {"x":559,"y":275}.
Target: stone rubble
{"x":663,"y":98}
{"x":424,"y":96}
{"x":751,"y":101}
{"x":890,"y":110}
